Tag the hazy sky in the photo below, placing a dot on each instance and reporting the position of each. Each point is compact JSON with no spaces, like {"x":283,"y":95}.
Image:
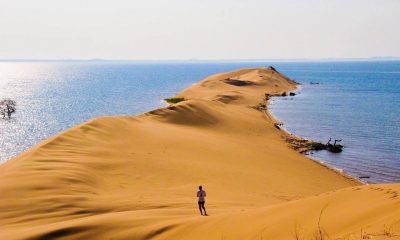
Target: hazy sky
{"x":199,"y":29}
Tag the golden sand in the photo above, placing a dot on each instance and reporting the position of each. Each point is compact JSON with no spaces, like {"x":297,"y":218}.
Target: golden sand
{"x":136,"y":177}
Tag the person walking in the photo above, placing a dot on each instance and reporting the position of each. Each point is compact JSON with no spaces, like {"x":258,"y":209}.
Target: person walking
{"x":201,"y":194}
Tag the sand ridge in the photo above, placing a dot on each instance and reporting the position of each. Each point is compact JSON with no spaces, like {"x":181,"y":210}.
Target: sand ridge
{"x":136,"y":177}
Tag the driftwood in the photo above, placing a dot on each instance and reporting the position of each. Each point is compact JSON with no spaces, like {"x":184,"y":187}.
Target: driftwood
{"x":335,"y":147}
{"x":361,"y":177}
{"x":278,"y":125}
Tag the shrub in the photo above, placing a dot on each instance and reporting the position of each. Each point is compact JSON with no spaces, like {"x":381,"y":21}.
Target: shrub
{"x":174,"y":100}
{"x":7,"y":107}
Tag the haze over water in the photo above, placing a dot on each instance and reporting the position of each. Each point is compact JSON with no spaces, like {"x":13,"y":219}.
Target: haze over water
{"x":355,"y":101}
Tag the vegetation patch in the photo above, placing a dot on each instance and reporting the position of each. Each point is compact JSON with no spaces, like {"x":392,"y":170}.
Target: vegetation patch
{"x":174,"y":100}
{"x":7,"y":107}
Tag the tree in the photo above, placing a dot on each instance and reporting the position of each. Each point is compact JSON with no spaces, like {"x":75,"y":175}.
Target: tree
{"x":7,"y":107}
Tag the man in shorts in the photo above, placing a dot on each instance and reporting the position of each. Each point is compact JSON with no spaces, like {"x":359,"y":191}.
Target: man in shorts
{"x":201,"y":194}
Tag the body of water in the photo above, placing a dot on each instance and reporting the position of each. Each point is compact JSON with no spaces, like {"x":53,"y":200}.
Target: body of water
{"x":354,"y":101}
{"x":358,"y":102}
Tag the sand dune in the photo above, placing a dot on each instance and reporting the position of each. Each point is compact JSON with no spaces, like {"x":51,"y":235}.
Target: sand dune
{"x":136,"y":177}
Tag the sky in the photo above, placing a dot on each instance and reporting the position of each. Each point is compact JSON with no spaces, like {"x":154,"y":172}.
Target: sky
{"x":198,"y":29}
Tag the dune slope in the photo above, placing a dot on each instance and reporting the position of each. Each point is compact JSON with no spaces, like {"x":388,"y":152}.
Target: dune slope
{"x":136,"y":177}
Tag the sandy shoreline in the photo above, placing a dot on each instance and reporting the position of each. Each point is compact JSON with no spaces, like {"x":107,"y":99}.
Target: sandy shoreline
{"x":288,"y":133}
{"x":136,"y":177}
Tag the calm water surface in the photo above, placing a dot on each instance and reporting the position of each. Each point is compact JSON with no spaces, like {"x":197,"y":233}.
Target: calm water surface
{"x":358,"y":102}
{"x":355,"y":101}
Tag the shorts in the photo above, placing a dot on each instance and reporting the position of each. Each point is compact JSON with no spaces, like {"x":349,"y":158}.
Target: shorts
{"x":201,"y":203}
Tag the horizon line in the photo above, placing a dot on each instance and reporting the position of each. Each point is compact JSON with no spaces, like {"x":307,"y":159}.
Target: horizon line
{"x":189,"y":60}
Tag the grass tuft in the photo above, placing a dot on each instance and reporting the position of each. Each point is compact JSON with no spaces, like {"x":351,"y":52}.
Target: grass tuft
{"x":174,"y":100}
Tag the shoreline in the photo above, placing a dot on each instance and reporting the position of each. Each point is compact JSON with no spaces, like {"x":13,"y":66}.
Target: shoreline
{"x":305,"y":153}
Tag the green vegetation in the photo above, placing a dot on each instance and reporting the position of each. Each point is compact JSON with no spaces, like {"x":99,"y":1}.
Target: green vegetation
{"x":174,"y":100}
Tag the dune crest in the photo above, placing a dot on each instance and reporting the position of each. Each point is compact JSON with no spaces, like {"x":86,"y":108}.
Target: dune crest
{"x":136,"y":177}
